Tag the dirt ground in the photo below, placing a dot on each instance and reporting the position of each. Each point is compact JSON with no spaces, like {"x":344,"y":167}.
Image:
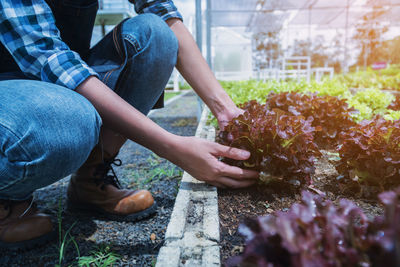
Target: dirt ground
{"x":237,"y":205}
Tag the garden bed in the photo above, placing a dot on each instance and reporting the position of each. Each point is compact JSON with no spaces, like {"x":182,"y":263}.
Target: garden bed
{"x":235,"y":206}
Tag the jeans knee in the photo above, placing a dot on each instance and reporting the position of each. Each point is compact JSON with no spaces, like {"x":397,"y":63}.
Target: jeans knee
{"x":47,"y":132}
{"x":149,"y":31}
{"x":72,"y":142}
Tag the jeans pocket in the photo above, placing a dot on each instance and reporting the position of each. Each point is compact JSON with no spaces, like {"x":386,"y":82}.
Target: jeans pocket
{"x":132,"y":45}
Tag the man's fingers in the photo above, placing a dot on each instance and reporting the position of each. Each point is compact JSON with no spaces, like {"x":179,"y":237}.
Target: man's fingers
{"x":238,"y":173}
{"x":219,"y":185}
{"x":233,"y":183}
{"x":232,"y":152}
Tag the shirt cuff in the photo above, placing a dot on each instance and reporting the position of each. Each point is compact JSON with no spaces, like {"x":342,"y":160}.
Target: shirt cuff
{"x":166,"y":9}
{"x":66,"y":69}
{"x":170,"y":15}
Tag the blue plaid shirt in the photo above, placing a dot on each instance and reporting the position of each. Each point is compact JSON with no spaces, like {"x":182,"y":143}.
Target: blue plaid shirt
{"x":28,"y":31}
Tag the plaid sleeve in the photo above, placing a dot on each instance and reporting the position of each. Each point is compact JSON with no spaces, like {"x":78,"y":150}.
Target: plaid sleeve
{"x":28,"y":31}
{"x":163,"y":8}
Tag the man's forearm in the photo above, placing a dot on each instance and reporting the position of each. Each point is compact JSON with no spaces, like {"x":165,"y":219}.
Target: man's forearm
{"x":121,"y":117}
{"x":197,"y":156}
{"x":196,"y":71}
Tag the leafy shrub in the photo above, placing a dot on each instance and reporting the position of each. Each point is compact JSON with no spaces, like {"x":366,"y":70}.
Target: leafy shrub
{"x":281,"y":145}
{"x":383,"y":79}
{"x":392,"y":115}
{"x":329,"y":113}
{"x":370,"y":153}
{"x":332,"y":87}
{"x":243,"y":91}
{"x":370,"y":102}
{"x":374,"y":98}
{"x":316,"y":233}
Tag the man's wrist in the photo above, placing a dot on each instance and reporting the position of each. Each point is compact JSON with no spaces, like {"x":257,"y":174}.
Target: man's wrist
{"x":167,"y":146}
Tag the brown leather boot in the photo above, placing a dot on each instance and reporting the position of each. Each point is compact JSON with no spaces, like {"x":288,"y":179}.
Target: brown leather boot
{"x":22,"y":226}
{"x":91,"y":189}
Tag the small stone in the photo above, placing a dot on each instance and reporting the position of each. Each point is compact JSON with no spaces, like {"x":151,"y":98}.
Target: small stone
{"x":153,"y":236}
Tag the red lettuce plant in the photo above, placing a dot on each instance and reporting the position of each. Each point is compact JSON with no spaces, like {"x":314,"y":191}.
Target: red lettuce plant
{"x":383,"y":238}
{"x":281,"y":144}
{"x":370,"y":153}
{"x":332,"y":114}
{"x":316,"y":233}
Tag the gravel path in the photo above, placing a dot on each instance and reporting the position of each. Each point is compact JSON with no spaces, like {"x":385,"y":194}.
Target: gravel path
{"x":135,"y":244}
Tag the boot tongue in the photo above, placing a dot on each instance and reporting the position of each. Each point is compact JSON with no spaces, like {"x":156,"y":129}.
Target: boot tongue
{"x":102,"y":176}
{"x":112,"y":180}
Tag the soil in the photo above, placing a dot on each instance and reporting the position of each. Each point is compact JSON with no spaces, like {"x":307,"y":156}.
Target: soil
{"x":237,"y":205}
{"x":136,"y":244}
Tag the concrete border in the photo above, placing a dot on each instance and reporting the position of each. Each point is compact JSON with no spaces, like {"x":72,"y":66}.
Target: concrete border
{"x":192,"y":235}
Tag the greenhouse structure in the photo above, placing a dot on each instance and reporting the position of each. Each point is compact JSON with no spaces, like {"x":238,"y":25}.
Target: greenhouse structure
{"x":259,"y":133}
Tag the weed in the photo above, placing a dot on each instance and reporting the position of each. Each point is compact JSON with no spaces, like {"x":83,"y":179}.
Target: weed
{"x":153,"y":262}
{"x":101,"y":257}
{"x":178,"y":184}
{"x":154,"y":160}
{"x":158,"y":172}
{"x":65,"y":239}
{"x":185,"y":122}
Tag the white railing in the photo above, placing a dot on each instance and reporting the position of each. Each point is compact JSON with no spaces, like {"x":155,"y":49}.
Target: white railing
{"x":320,"y":72}
{"x":116,"y":5}
{"x":275,"y":74}
{"x":174,"y":80}
{"x":233,"y":75}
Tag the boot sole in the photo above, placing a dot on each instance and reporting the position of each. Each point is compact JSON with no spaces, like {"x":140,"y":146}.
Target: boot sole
{"x":98,"y":213}
{"x":29,"y":244}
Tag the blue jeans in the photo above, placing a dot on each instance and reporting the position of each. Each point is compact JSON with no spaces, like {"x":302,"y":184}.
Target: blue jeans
{"x":48,"y":131}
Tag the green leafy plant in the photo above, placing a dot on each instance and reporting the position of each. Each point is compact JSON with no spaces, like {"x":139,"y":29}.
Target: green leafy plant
{"x":384,"y":79}
{"x":376,"y":99}
{"x":102,"y":256}
{"x":392,"y":115}
{"x":281,"y":145}
{"x":243,"y":91}
{"x":368,"y":102}
{"x":370,"y":153}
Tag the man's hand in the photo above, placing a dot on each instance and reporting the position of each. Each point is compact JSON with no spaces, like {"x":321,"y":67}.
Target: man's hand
{"x":224,"y":117}
{"x":200,"y":158}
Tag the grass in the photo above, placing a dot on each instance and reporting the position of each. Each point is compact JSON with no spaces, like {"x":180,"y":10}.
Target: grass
{"x":155,"y":169}
{"x":158,"y":172}
{"x":169,"y":95}
{"x":102,"y":256}
{"x":65,"y":238}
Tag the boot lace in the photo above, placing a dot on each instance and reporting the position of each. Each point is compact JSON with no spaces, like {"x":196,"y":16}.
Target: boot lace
{"x":102,"y":173}
{"x":7,"y":205}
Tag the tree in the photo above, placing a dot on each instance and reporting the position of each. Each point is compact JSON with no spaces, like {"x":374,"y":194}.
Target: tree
{"x":336,"y":53}
{"x":368,"y":37}
{"x":390,"y":51}
{"x":317,"y":50}
{"x":267,"y":47}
